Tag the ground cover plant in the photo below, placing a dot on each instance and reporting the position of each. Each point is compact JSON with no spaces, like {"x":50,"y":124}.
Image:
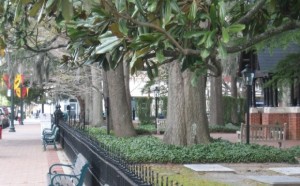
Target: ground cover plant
{"x":149,"y":149}
{"x":149,"y":128}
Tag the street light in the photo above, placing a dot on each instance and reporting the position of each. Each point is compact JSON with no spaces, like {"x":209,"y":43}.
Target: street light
{"x":12,"y":111}
{"x":248,"y":76}
{"x":156,"y":94}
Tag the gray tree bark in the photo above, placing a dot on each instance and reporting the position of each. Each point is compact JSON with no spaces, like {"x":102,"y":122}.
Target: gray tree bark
{"x":119,"y":106}
{"x":97,"y":111}
{"x":88,"y":95}
{"x":216,"y":103}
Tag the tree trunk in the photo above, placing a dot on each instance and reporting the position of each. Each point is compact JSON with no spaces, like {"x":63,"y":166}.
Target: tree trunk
{"x":105,"y":98}
{"x":119,"y":106}
{"x":127,"y":86}
{"x":82,"y":109}
{"x":216,"y":102}
{"x":97,"y":111}
{"x":88,"y":95}
{"x":186,"y":120}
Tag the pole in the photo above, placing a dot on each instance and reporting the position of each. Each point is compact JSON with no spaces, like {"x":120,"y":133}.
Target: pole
{"x":22,"y":100}
{"x":12,"y":113}
{"x":248,"y":113}
{"x":156,"y":111}
{"x":107,"y":115}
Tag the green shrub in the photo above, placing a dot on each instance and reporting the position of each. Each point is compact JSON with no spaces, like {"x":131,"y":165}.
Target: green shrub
{"x":295,"y":151}
{"x":144,"y":109}
{"x":145,"y":129}
{"x":149,"y":149}
{"x":230,"y":104}
{"x":228,"y":128}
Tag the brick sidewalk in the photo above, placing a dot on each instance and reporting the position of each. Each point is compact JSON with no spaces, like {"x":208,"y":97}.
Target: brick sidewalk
{"x":23,"y":162}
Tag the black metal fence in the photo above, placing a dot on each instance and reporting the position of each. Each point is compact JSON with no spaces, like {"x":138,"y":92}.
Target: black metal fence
{"x":107,"y":166}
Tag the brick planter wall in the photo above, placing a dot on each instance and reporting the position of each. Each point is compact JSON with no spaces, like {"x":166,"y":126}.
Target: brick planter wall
{"x":294,"y":126}
{"x":270,"y":118}
{"x":255,"y":116}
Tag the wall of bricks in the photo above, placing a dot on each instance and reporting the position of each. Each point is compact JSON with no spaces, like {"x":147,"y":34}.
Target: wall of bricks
{"x":255,"y":118}
{"x":294,"y":126}
{"x":270,"y":118}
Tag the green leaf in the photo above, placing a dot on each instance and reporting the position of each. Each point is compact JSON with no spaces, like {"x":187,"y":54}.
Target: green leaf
{"x":160,"y":56}
{"x":36,"y":7}
{"x":222,"y":12}
{"x":204,"y":53}
{"x":67,"y":9}
{"x":204,"y":38}
{"x":193,"y":11}
{"x":150,"y":38}
{"x":213,"y":16}
{"x":210,"y":39}
{"x":166,"y":13}
{"x":235,"y":28}
{"x":152,"y":5}
{"x":222,"y":50}
{"x":191,"y":34}
{"x":225,"y":35}
{"x":139,"y":4}
{"x":138,"y":54}
{"x":51,"y":4}
{"x":2,"y":43}
{"x":120,"y":5}
{"x":41,"y":13}
{"x":175,"y":7}
{"x":108,"y":43}
{"x":114,"y":28}
{"x":123,"y":27}
{"x":18,"y":12}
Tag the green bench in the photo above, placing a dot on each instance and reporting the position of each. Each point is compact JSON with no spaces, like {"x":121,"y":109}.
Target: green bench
{"x":50,"y":139}
{"x":74,"y":178}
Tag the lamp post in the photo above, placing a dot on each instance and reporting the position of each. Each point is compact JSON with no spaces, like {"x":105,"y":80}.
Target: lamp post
{"x":156,"y":94}
{"x":248,"y":76}
{"x":12,"y":111}
{"x":22,"y":105}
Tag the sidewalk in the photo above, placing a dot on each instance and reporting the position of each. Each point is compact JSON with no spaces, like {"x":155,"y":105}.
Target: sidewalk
{"x":23,"y":162}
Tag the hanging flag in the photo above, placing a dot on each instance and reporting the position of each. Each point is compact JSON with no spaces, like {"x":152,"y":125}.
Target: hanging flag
{"x":5,"y":78}
{"x":18,"y":80}
{"x":18,"y":92}
{"x":24,"y":92}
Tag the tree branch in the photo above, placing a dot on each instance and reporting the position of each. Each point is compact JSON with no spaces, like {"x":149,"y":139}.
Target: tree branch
{"x":293,"y":25}
{"x":45,"y":49}
{"x":247,"y":17}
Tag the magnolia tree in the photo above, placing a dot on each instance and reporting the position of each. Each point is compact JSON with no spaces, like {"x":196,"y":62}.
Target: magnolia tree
{"x":192,"y":36}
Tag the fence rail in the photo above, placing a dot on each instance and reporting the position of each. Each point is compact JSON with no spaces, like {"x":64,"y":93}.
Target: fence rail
{"x":107,"y":164}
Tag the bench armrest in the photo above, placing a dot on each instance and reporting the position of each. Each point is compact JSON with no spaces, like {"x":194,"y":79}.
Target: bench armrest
{"x":59,"y":164}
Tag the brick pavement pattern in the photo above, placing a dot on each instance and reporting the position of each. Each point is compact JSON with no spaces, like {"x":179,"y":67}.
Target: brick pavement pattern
{"x":23,"y":162}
